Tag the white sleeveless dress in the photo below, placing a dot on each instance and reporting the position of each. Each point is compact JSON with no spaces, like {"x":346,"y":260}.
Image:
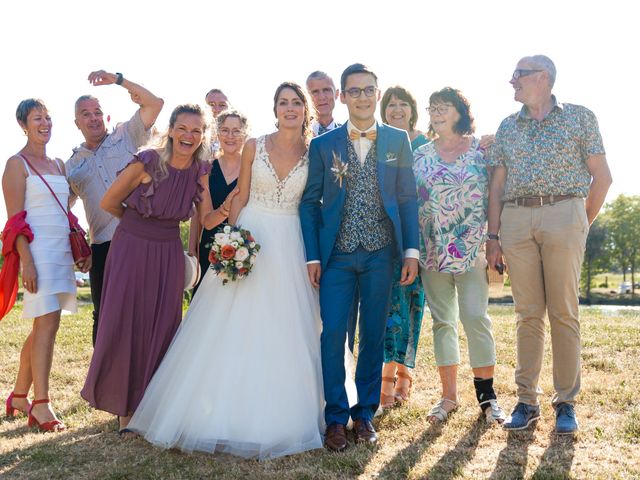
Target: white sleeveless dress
{"x":243,"y":374}
{"x":50,"y":247}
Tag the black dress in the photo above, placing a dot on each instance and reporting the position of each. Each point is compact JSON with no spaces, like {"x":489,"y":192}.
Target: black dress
{"x":219,"y":190}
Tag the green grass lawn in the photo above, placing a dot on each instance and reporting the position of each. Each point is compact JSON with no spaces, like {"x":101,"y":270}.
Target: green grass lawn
{"x":607,"y":446}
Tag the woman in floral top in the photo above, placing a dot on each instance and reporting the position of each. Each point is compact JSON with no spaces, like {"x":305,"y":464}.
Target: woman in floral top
{"x":452,"y":180}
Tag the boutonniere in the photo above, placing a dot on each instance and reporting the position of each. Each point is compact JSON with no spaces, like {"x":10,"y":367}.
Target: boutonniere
{"x":391,"y":157}
{"x":339,"y":168}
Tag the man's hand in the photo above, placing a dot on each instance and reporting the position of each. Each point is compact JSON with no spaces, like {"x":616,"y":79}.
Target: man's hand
{"x":409,"y":271}
{"x":314,"y":270}
{"x":494,"y":254}
{"x":100,"y":77}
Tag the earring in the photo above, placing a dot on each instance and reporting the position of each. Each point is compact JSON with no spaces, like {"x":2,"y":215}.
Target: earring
{"x":25,"y":132}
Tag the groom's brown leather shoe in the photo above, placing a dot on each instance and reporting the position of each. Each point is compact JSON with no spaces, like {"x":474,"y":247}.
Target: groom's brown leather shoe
{"x":364,"y":431}
{"x":335,"y":438}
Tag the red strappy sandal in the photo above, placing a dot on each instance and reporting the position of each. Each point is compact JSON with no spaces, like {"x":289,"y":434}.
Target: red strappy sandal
{"x":52,"y":426}
{"x":11,"y":411}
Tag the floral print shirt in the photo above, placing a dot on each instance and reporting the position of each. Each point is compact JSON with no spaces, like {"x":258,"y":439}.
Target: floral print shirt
{"x":452,"y":207}
{"x":547,"y":157}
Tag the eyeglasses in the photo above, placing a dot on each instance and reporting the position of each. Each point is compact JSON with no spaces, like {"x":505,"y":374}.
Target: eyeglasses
{"x":442,"y":108}
{"x":523,"y":72}
{"x":227,"y":132}
{"x":355,"y":92}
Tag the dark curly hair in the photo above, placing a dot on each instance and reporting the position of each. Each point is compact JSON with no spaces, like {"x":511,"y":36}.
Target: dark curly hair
{"x":466,"y":124}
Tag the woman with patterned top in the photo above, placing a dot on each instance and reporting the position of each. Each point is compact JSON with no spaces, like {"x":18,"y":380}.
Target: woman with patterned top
{"x":400,"y":109}
{"x":452,"y":180}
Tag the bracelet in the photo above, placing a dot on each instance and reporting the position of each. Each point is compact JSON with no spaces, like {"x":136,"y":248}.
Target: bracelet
{"x":493,"y":236}
{"x":119,"y":78}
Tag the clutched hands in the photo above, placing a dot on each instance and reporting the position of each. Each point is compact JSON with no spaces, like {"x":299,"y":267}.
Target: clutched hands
{"x":84,"y":264}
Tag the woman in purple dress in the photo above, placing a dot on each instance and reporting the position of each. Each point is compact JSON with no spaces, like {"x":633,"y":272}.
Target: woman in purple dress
{"x":141,"y":304}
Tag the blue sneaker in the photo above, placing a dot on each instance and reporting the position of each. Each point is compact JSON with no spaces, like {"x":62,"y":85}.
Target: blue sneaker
{"x":522,"y":416}
{"x":566,"y":423}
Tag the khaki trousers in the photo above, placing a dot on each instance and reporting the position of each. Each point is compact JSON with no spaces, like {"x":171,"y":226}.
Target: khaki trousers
{"x":544,"y":247}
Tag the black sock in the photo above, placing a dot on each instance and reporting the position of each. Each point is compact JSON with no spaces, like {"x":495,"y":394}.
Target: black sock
{"x":484,"y":391}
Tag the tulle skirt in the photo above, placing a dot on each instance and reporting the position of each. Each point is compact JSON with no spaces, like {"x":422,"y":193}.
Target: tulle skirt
{"x":243,"y":373}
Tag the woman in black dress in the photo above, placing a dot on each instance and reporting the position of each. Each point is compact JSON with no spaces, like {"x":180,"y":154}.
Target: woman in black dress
{"x":232,"y":132}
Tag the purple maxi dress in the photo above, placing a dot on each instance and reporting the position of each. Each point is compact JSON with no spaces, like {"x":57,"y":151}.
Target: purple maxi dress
{"x":141,"y":305}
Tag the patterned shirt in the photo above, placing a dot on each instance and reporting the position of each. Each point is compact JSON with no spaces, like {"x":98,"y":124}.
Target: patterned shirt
{"x":91,"y":173}
{"x":547,"y":157}
{"x":452,"y":207}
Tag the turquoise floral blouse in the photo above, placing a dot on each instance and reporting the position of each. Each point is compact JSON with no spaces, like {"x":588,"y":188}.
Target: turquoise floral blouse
{"x":452,"y":207}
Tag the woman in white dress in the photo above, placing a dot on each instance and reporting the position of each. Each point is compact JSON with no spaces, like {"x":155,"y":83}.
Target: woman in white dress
{"x":243,"y":373}
{"x":46,"y":263}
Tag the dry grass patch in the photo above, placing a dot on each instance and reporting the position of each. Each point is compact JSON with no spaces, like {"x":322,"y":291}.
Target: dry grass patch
{"x":462,"y":448}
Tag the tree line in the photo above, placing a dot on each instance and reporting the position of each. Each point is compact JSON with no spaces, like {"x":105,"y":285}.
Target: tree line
{"x":613,"y":241}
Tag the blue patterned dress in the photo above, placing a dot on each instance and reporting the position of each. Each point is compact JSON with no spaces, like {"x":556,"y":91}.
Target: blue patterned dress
{"x":405,"y":315}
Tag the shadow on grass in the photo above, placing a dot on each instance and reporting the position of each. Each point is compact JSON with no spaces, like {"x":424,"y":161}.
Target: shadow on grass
{"x":512,"y":460}
{"x":49,"y":458}
{"x":402,"y":463}
{"x":452,"y":463}
{"x":557,"y":459}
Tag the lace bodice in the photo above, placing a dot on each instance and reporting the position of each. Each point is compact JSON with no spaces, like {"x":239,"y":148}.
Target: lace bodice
{"x":270,"y":192}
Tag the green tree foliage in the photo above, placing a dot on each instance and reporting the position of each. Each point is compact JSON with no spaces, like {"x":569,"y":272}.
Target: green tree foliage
{"x":623,"y":216}
{"x":597,"y":253}
{"x":184,"y":234}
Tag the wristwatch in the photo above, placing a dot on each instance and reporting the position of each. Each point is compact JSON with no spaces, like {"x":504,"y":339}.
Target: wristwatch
{"x":493,"y":236}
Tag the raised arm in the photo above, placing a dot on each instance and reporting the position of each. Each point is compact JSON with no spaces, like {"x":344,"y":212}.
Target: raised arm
{"x":244,"y":180}
{"x":150,"y":105}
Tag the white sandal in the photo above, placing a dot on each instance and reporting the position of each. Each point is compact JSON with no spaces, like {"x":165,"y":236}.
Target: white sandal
{"x":493,"y":413}
{"x":438,"y":412}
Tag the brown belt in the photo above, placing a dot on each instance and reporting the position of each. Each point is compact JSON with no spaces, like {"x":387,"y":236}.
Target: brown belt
{"x":540,"y":201}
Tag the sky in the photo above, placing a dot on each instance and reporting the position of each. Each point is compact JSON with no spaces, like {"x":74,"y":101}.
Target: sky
{"x":180,"y":50}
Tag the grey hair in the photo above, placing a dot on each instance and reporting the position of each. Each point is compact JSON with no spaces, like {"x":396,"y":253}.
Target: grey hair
{"x":546,"y":64}
{"x":25,"y":107}
{"x":231,"y":113}
{"x":82,"y":98}
{"x":320,"y":75}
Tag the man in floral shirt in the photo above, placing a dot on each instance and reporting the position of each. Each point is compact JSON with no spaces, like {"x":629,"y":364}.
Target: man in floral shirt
{"x":549,"y":183}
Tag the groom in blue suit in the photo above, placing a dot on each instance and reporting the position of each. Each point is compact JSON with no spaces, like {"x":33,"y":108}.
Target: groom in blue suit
{"x":359,"y":216}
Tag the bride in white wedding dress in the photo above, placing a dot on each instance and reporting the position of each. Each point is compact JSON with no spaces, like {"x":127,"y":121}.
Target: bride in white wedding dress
{"x":243,"y":373}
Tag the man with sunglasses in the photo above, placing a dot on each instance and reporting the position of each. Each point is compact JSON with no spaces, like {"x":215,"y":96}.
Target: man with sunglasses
{"x":549,"y":182}
{"x":358,"y":212}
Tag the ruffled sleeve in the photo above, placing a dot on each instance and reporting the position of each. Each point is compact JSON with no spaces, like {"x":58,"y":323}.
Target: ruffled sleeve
{"x":204,"y":169}
{"x":140,"y":198}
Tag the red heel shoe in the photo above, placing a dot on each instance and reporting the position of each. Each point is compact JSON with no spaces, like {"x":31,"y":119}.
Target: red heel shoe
{"x":52,"y":426}
{"x":11,"y":411}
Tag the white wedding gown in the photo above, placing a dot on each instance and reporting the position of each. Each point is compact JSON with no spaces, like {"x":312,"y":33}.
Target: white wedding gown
{"x":243,"y":373}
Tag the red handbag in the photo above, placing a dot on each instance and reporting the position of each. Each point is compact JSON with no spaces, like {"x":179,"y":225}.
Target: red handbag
{"x":80,"y":248}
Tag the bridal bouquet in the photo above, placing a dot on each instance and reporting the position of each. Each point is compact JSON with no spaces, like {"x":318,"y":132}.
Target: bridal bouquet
{"x":233,"y":253}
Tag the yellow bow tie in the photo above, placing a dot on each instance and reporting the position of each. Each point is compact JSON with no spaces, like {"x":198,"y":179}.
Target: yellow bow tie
{"x":370,"y":135}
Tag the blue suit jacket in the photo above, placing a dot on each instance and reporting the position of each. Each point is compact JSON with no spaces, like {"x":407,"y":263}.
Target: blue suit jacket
{"x":323,"y":198}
